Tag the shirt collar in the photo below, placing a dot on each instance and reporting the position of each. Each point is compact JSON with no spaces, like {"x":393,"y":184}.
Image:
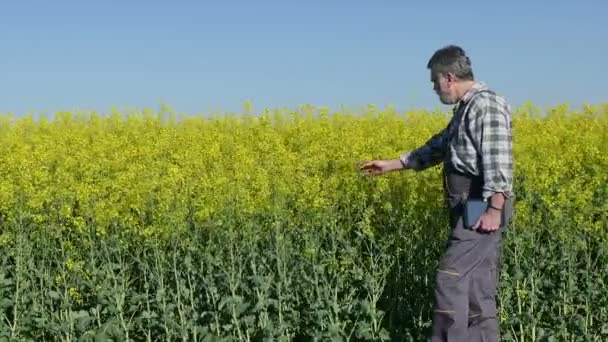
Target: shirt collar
{"x":477,"y":86}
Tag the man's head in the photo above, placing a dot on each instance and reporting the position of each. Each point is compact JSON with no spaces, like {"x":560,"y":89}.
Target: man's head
{"x":451,"y":73}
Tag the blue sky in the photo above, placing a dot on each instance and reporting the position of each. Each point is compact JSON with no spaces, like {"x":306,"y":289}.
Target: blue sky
{"x":202,"y":56}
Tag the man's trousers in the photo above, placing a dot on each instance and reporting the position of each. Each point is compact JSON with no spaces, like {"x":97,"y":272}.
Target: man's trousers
{"x":467,"y":276}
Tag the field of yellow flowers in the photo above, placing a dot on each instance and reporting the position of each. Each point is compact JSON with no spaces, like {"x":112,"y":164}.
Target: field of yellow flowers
{"x":151,"y":225}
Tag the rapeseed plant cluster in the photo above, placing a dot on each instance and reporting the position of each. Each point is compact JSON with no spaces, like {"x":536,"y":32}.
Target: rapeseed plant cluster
{"x":152,"y":224}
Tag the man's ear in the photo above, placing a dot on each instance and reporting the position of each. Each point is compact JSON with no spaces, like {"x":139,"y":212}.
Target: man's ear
{"x":450,"y":77}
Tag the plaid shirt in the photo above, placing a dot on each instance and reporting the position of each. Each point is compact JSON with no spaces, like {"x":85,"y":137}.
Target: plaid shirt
{"x":477,"y":141}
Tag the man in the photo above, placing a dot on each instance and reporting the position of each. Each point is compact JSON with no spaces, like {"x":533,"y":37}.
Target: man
{"x":476,"y":151}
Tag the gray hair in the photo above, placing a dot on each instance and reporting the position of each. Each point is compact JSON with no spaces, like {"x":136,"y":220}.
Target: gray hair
{"x":451,"y":59}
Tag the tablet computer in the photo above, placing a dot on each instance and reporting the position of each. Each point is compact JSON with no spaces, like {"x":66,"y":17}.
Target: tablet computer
{"x":473,"y":208}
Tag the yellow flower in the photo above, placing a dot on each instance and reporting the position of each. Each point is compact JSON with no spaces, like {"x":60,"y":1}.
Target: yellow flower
{"x":152,"y":172}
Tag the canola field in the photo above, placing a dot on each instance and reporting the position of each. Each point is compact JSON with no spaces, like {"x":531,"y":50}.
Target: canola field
{"x":151,"y":226}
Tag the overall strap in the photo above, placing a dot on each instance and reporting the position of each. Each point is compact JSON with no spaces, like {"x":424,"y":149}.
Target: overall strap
{"x":467,"y":119}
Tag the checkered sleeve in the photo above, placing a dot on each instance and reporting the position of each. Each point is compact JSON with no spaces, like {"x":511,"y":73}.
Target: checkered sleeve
{"x":430,"y":154}
{"x":492,"y":129}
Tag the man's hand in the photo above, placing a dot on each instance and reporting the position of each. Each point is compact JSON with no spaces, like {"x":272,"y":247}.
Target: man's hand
{"x":489,"y":221}
{"x":378,"y":167}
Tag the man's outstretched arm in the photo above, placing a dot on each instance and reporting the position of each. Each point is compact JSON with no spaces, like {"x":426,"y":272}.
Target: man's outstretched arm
{"x":428,"y":155}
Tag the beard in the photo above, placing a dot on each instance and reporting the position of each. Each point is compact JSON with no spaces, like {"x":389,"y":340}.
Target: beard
{"x":445,"y":99}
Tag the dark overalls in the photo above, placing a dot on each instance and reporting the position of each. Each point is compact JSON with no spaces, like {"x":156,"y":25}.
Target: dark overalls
{"x":467,"y":276}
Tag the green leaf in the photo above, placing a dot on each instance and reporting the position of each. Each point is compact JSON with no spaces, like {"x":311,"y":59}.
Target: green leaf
{"x":6,"y":303}
{"x":605,"y":329}
{"x":384,"y":335}
{"x":54,"y":294}
{"x":102,"y":337}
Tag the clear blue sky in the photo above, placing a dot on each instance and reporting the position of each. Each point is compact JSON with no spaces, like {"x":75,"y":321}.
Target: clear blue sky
{"x":203,"y":56}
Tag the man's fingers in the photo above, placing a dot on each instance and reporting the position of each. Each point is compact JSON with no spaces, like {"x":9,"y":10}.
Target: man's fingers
{"x":477,"y":224}
{"x":369,"y":169}
{"x":485,"y":226}
{"x":371,"y":166}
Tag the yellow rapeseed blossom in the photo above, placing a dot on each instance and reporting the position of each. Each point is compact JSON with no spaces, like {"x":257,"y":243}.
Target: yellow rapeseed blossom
{"x":152,"y":172}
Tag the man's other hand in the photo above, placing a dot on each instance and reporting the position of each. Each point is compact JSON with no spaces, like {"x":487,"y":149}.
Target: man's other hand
{"x":489,"y":221}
